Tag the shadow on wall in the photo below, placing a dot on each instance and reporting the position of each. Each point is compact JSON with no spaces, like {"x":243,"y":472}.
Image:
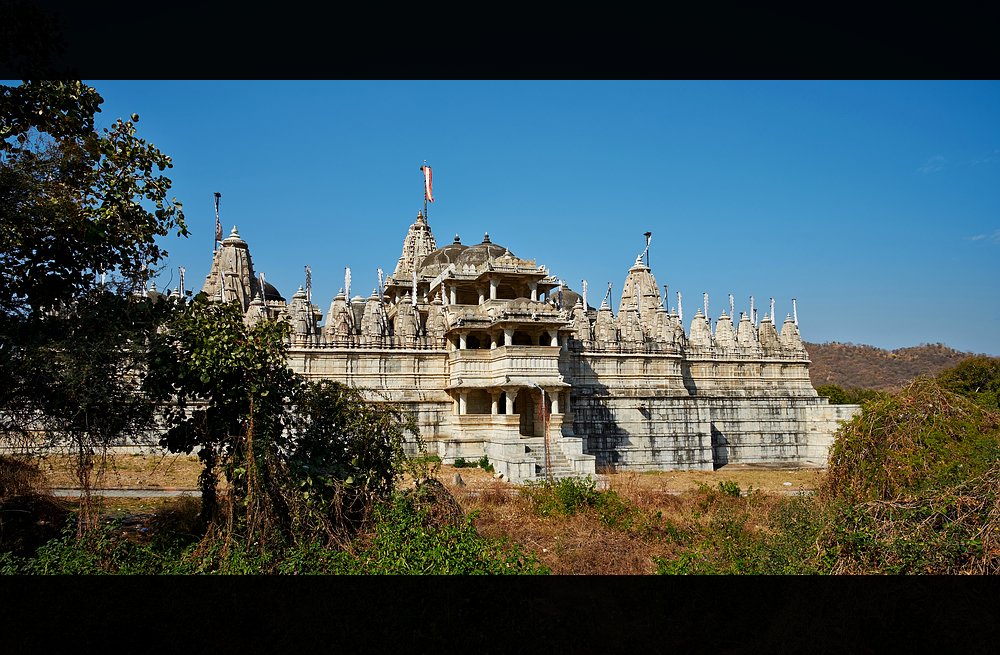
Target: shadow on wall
{"x":593,"y":420}
{"x":720,"y":449}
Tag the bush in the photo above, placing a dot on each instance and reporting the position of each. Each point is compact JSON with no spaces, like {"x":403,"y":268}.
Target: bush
{"x":923,"y":438}
{"x":976,"y":378}
{"x":405,"y":541}
{"x":730,"y":488}
{"x":914,"y":486}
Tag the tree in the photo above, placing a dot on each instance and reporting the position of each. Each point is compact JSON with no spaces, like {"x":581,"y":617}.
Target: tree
{"x":222,"y":387}
{"x":302,"y":461}
{"x":73,"y":201}
{"x":80,"y":213}
{"x":977,"y":378}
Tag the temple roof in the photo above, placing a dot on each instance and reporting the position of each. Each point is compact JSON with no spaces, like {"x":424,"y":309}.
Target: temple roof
{"x":437,"y":261}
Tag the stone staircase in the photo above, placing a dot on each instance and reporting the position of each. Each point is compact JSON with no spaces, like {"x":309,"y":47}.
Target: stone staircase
{"x":561,"y":466}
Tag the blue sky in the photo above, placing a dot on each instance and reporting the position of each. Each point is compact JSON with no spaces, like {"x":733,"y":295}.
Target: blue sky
{"x":876,"y":204}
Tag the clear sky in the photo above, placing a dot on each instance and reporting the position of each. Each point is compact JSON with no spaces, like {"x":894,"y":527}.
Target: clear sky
{"x":876,"y":204}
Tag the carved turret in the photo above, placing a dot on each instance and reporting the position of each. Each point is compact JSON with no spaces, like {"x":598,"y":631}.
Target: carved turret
{"x":374,"y":324}
{"x":406,"y":324}
{"x":256,"y":312}
{"x":640,"y":290}
{"x":725,"y":337}
{"x":604,"y":328}
{"x":231,"y":276}
{"x":746,"y":336}
{"x":768,"y":336}
{"x":437,"y":320}
{"x":302,"y":320}
{"x":581,"y":324}
{"x":419,"y":243}
{"x":701,"y":332}
{"x":664,"y":328}
{"x":629,"y":327}
{"x":790,"y":339}
{"x":339,"y":321}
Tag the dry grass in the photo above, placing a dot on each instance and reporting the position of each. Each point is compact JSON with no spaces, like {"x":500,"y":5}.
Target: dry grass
{"x":581,"y":544}
{"x":126,"y":471}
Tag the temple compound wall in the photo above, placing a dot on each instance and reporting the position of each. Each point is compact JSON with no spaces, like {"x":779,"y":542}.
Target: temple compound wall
{"x":493,"y":355}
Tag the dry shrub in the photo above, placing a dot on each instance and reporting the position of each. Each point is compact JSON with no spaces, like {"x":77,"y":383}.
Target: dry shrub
{"x":440,"y":505}
{"x":29,"y":514}
{"x":923,"y":438}
{"x":914,"y":486}
{"x":580,"y":540}
{"x":496,"y":493}
{"x":19,"y":476}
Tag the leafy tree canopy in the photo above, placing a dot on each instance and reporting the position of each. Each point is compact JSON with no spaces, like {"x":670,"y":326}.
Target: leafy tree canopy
{"x":75,"y":202}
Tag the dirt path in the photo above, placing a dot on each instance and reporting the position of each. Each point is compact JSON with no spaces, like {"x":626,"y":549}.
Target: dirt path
{"x":180,"y":473}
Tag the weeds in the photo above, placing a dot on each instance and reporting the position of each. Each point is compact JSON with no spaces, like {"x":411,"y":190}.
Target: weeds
{"x":483,"y":463}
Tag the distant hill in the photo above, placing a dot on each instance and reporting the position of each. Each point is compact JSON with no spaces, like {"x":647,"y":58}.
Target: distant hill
{"x":852,"y":365}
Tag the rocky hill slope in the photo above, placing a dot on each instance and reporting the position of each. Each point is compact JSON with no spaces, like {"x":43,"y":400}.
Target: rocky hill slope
{"x":852,"y":365}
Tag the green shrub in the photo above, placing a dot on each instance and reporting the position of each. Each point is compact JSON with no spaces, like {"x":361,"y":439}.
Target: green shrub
{"x":460,"y":463}
{"x":730,"y":488}
{"x":484,"y":463}
{"x":565,"y":496}
{"x":403,"y":542}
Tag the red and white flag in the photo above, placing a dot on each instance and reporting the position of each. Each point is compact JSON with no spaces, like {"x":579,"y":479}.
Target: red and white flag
{"x":427,"y":183}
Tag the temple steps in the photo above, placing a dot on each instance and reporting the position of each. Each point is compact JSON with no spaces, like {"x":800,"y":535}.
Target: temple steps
{"x":560,"y":465}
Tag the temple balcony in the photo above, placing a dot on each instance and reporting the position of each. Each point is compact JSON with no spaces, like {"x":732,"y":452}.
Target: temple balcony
{"x":504,"y":365}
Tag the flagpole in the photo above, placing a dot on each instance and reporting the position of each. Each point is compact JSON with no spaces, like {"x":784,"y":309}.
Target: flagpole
{"x":218,"y":225}
{"x":423,"y":180}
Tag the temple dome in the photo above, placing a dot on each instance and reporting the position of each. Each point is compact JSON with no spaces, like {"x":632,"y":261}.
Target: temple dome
{"x":569,"y":298}
{"x":481,"y":253}
{"x":437,"y":261}
{"x":271,"y":293}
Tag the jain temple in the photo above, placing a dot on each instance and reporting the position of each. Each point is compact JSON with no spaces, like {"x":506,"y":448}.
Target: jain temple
{"x":494,"y":356}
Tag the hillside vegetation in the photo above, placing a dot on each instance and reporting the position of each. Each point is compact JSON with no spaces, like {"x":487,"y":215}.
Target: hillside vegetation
{"x":849,"y":365}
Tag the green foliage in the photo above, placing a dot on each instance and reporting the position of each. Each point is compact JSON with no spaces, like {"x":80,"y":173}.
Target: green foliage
{"x":923,"y":438}
{"x":483,"y":463}
{"x":223,"y":387}
{"x":913,"y":482}
{"x":104,"y":550}
{"x":976,"y":378}
{"x":401,"y":538}
{"x":76,"y":205}
{"x":730,"y":488}
{"x":568,"y":496}
{"x":730,"y":542}
{"x":302,"y":460}
{"x":565,"y":496}
{"x":849,"y":396}
{"x":340,"y":454}
{"x":73,"y":200}
{"x":405,"y":543}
